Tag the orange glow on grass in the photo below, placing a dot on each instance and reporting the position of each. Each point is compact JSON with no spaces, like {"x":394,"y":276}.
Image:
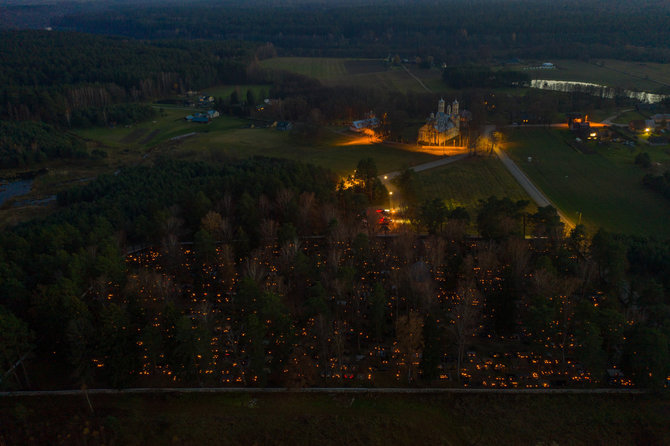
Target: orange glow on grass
{"x":367,"y":138}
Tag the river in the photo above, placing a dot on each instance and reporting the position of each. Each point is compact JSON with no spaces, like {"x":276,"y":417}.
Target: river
{"x":13,"y":189}
{"x":596,"y":89}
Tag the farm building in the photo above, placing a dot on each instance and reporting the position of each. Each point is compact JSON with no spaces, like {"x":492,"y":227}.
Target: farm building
{"x":203,"y":118}
{"x":442,"y":127}
{"x":370,"y":122}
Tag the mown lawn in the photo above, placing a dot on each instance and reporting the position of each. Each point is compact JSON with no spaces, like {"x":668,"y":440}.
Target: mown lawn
{"x":328,"y":149}
{"x":605,"y":187}
{"x":371,"y":73}
{"x":467,"y":181}
{"x":337,"y":419}
{"x":628,"y":116}
{"x":147,"y":134}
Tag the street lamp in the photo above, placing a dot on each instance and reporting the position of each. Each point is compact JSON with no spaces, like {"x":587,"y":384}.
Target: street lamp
{"x":390,"y":202}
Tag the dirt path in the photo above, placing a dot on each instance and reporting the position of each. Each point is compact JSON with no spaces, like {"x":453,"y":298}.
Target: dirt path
{"x":417,"y":79}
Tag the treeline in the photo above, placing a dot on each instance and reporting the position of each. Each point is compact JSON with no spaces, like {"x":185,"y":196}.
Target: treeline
{"x":450,"y":31}
{"x":26,"y":143}
{"x":118,"y":114}
{"x":312,"y":105}
{"x":307,"y":100}
{"x":57,"y":76}
{"x":483,"y":77}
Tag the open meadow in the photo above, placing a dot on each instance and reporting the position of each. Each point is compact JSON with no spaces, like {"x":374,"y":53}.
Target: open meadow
{"x":467,"y":181}
{"x":141,"y":137}
{"x":339,"y":152}
{"x":604,"y":187}
{"x":336,"y":419}
{"x":364,"y":72}
{"x":228,"y":137}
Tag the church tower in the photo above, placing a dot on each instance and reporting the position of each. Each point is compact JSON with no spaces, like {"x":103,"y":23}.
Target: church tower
{"x":440,"y":106}
{"x":454,"y":107}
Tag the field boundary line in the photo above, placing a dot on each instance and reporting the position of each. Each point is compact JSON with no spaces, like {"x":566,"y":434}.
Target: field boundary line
{"x":323,"y":390}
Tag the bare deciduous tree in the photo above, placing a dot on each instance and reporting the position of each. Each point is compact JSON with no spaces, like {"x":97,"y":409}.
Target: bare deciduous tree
{"x":465,"y":317}
{"x":410,"y":343}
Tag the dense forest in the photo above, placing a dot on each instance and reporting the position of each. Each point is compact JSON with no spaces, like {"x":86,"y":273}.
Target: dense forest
{"x":51,"y":76}
{"x":25,"y":143}
{"x":265,"y":271}
{"x":451,"y":31}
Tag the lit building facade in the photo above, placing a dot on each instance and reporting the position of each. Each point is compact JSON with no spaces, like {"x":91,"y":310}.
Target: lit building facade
{"x":442,"y":127}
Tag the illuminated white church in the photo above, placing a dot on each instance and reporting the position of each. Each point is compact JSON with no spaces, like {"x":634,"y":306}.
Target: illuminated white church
{"x":442,"y":127}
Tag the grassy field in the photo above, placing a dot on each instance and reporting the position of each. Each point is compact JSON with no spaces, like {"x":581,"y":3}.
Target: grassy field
{"x":339,"y":152}
{"x":628,"y":116}
{"x":141,"y":137}
{"x":605,"y":186}
{"x":467,"y":181}
{"x":337,"y":419}
{"x":364,"y":72}
{"x":629,"y":75}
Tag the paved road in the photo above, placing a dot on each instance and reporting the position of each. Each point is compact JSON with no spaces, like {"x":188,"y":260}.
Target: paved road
{"x":608,"y":120}
{"x":347,"y":390}
{"x":525,"y":182}
{"x":532,"y":190}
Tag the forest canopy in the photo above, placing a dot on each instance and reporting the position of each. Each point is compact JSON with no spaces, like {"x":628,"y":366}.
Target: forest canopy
{"x":449,"y":30}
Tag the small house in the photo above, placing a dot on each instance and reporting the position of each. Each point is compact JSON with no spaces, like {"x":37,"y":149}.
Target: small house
{"x":370,"y":122}
{"x":201,"y":118}
{"x":284,"y":126}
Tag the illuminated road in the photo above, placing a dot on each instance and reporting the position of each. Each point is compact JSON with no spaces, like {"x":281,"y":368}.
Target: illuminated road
{"x":532,"y":190}
{"x":538,"y":197}
{"x":608,"y":120}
